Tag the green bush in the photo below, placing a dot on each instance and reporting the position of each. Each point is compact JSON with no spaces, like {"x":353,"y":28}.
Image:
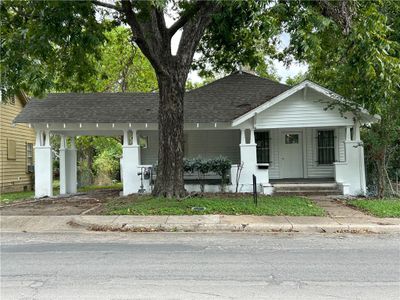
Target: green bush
{"x":220,"y":165}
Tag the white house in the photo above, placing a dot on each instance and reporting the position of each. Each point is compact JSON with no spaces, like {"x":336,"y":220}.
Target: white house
{"x":281,"y":134}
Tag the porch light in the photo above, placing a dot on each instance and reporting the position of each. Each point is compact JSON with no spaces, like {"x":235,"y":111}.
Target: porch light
{"x":146,"y":125}
{"x":80,"y":125}
{"x":97,"y":124}
{"x":64,"y":125}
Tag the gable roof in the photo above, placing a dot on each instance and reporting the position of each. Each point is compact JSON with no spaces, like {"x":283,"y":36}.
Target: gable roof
{"x":220,"y":101}
{"x":305,"y":84}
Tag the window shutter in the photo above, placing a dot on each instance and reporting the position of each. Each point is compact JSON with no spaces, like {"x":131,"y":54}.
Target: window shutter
{"x":11,"y":149}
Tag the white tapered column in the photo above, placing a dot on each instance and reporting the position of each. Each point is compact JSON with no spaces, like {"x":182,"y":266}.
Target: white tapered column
{"x":130,"y":165}
{"x":248,"y":155}
{"x":43,"y":165}
{"x":68,"y":166}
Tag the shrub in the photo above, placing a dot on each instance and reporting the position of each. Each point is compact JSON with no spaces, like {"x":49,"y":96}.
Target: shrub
{"x":219,"y":165}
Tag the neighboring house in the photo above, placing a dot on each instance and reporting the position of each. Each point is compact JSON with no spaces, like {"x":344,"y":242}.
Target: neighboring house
{"x":16,"y":148}
{"x":281,"y":134}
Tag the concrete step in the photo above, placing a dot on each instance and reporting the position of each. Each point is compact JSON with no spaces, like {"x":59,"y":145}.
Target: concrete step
{"x":308,"y":193}
{"x":306,"y":189}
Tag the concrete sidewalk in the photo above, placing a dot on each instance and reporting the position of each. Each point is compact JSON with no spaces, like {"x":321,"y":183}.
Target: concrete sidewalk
{"x":199,"y":223}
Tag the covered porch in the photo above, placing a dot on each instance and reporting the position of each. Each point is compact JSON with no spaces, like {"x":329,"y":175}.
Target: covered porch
{"x":275,"y":155}
{"x":139,"y":153}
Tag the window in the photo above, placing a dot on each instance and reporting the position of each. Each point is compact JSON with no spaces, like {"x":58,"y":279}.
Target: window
{"x":143,"y":141}
{"x":291,"y":138}
{"x":29,"y":157}
{"x":11,"y":149}
{"x":262,"y":141}
{"x":326,"y":147}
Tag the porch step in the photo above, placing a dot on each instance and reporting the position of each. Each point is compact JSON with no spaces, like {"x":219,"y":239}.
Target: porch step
{"x":322,"y":189}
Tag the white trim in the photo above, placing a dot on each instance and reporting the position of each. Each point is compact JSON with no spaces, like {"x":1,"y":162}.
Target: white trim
{"x":303,"y":85}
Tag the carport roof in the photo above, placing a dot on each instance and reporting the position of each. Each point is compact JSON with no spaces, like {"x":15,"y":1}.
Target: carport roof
{"x":220,"y":101}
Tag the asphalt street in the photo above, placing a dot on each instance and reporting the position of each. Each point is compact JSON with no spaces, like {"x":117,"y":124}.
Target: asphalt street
{"x":199,"y":266}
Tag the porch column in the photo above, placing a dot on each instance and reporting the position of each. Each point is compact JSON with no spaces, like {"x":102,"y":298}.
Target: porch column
{"x":248,"y":155}
{"x":348,"y":133}
{"x":68,"y":166}
{"x":351,"y":173}
{"x":129,"y":165}
{"x":356,"y":131}
{"x":43,"y":165}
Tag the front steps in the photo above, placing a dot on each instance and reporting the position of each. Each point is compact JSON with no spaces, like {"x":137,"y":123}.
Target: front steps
{"x":307,"y":189}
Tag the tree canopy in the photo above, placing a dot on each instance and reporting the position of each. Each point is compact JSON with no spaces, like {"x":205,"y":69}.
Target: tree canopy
{"x":121,"y":66}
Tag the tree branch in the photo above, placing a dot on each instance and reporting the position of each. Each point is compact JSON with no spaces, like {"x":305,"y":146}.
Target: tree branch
{"x":342,"y":12}
{"x":141,"y":36}
{"x":193,"y":32}
{"x":106,"y":5}
{"x":183,"y":19}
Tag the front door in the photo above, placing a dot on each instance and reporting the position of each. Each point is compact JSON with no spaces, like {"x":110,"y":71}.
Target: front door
{"x":291,"y":155}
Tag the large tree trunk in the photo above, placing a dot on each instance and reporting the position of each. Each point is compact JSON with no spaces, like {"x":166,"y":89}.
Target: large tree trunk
{"x":154,"y":39}
{"x":169,"y":181}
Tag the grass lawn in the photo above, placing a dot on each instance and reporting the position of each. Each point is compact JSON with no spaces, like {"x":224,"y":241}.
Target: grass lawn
{"x":383,"y":208}
{"x":11,"y":197}
{"x":215,"y":204}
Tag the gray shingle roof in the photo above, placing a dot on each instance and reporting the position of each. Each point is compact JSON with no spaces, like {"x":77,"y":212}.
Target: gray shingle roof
{"x":220,"y":101}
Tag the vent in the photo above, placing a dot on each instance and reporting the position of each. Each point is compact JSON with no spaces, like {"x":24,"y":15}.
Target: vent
{"x":242,"y":105}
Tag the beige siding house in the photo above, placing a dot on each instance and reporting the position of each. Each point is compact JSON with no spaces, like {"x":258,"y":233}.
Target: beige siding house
{"x":16,"y":148}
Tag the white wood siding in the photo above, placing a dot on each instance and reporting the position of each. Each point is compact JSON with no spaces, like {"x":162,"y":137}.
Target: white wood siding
{"x":301,"y":110}
{"x":311,"y":167}
{"x":203,"y":143}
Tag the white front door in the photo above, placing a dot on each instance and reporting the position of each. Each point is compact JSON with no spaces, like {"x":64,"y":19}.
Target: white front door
{"x":291,"y":155}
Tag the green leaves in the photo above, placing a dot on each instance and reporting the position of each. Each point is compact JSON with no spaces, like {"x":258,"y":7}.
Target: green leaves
{"x":241,"y":33}
{"x":121,"y":66}
{"x":42,"y":40}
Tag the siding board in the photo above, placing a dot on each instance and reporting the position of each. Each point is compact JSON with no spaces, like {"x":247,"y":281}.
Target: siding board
{"x":297,"y":112}
{"x":203,"y":143}
{"x":13,"y":175}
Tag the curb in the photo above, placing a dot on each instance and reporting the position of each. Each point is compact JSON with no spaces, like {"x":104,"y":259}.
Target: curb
{"x":252,"y":227}
{"x":206,"y":223}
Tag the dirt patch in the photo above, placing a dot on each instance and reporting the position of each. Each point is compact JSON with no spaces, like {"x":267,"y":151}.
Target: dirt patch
{"x":88,"y":203}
